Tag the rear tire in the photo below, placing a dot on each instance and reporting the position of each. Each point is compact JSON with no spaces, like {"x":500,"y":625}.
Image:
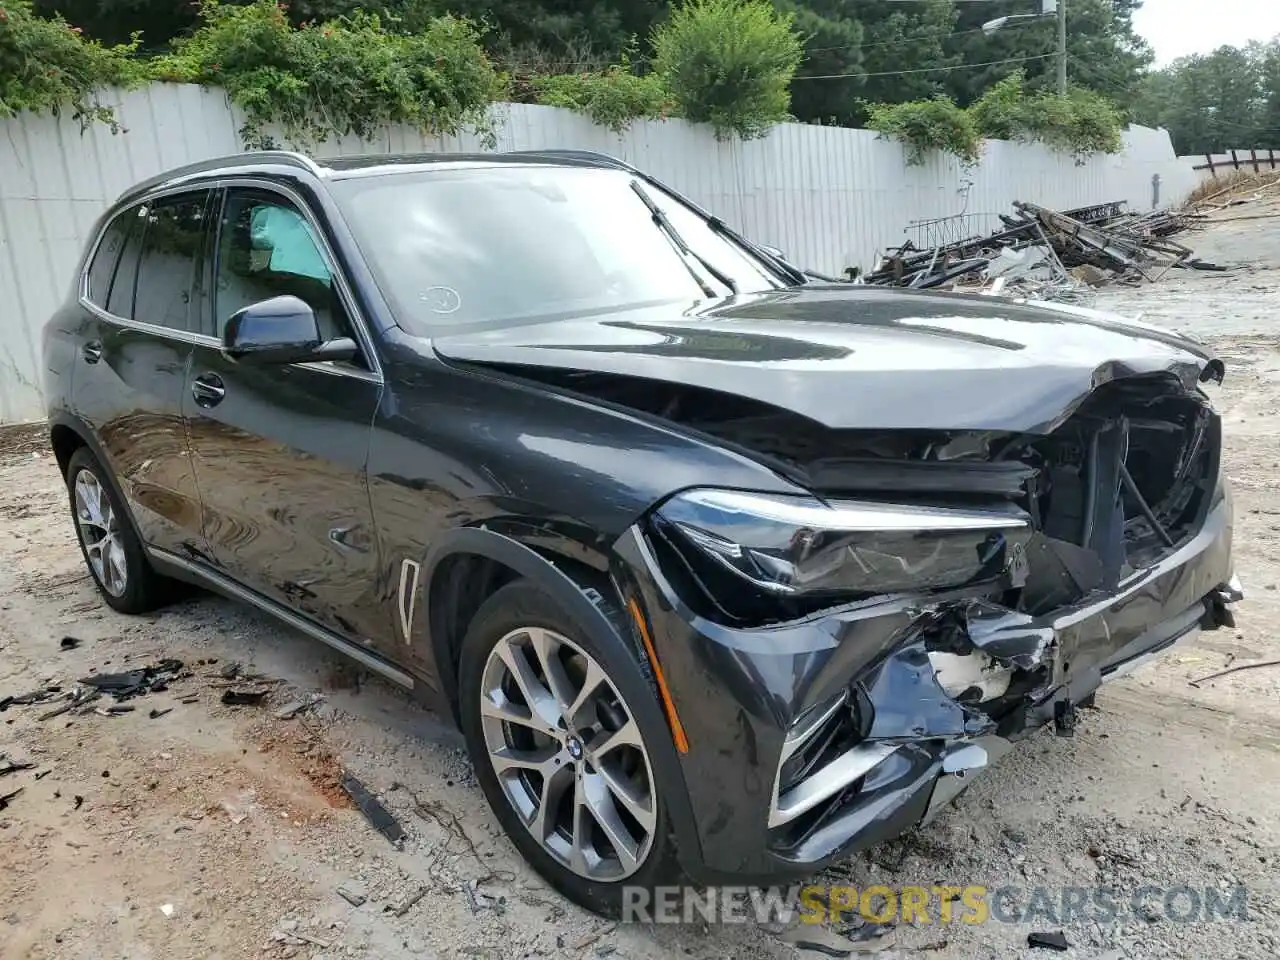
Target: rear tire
{"x":559,"y":754}
{"x":110,"y":545}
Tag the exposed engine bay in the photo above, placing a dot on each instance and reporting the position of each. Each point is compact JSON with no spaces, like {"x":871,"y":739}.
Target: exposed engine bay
{"x":1122,"y":479}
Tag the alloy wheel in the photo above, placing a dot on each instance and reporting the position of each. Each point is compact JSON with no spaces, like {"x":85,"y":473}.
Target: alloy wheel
{"x":568,"y":753}
{"x":99,"y":530}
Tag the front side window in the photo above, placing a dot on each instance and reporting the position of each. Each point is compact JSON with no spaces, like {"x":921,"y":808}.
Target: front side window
{"x":266,"y":249}
{"x":502,"y":245}
{"x":172,"y":246}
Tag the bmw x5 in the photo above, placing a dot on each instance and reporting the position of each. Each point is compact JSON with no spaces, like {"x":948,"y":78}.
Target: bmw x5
{"x":724,"y":569}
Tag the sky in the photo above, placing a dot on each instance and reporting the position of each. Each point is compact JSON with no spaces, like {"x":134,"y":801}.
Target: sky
{"x":1176,"y":28}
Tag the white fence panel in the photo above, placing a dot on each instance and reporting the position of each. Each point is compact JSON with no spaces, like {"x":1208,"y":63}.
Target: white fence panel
{"x":830,"y":197}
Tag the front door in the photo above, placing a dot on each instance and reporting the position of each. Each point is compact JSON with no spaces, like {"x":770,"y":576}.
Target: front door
{"x":140,"y":330}
{"x":280,"y":451}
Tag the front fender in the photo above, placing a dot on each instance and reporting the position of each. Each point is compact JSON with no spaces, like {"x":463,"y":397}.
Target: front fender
{"x":593,"y":603}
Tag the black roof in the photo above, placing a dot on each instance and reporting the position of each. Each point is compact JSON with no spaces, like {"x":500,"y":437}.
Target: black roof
{"x":281,"y":162}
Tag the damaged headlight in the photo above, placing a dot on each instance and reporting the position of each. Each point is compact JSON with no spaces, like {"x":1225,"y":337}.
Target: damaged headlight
{"x":801,"y":546}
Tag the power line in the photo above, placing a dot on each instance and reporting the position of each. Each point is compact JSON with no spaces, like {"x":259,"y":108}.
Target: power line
{"x":904,"y":42}
{"x":635,"y":59}
{"x":899,"y":73}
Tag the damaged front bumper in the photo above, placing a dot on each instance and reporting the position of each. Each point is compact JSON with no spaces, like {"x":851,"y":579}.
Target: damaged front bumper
{"x":811,"y":739}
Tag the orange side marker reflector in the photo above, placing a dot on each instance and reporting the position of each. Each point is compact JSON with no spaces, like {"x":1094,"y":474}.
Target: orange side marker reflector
{"x":668,"y":705}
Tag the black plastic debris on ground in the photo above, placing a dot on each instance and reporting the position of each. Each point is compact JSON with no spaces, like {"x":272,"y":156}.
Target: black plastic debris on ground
{"x":70,"y":643}
{"x":79,"y":697}
{"x":9,"y":765}
{"x":43,"y":695}
{"x":379,"y":817}
{"x":6,"y":798}
{"x":134,"y":683}
{"x":1049,"y":941}
{"x":243,"y":698}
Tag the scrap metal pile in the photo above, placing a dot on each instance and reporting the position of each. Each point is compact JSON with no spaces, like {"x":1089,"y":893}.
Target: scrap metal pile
{"x":1044,"y":254}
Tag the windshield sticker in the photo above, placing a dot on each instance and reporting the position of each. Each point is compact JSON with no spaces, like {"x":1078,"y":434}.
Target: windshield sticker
{"x":441,"y":299}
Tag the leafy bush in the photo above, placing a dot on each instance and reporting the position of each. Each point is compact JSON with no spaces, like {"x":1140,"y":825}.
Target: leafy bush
{"x":1000,"y":113}
{"x":729,"y":63}
{"x":347,"y":76}
{"x":47,"y":65}
{"x":612,"y":98}
{"x":925,"y":126}
{"x":1081,"y":123}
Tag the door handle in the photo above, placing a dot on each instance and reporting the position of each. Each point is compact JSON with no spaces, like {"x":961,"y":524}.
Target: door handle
{"x":92,"y":351}
{"x":208,"y":389}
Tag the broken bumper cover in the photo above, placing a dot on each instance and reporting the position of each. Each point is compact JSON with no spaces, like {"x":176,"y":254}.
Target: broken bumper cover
{"x":812,"y":739}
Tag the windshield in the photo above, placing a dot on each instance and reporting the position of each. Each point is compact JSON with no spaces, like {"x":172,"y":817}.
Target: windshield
{"x":503,"y":245}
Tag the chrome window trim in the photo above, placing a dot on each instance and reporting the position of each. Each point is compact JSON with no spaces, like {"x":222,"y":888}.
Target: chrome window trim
{"x":183,"y":336}
{"x":336,"y":370}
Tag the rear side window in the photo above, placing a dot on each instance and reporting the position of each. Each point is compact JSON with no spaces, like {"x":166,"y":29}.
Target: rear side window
{"x":172,"y":245}
{"x":103,"y":266}
{"x":120,"y":297}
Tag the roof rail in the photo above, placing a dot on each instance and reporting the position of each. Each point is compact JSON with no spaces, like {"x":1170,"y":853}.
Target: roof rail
{"x":582,"y":156}
{"x":281,"y":157}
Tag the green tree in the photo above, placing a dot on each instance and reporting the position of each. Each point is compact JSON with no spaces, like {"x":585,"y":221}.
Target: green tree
{"x":904,"y":37}
{"x":1225,"y":100}
{"x":728,"y":63}
{"x":832,"y":50}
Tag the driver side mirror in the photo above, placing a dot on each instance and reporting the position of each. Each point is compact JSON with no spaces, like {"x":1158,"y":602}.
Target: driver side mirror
{"x":281,"y":330}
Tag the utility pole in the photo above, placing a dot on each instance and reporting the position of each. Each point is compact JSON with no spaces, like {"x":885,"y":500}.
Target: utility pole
{"x":1062,"y":47}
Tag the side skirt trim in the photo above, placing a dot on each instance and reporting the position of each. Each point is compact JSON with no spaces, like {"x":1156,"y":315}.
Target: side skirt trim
{"x":231,"y":588}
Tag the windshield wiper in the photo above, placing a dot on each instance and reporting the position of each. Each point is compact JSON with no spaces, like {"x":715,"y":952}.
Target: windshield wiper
{"x":666,"y":226}
{"x":777,"y":263}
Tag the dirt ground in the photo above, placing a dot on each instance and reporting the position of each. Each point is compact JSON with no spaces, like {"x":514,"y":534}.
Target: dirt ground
{"x":220,"y":832}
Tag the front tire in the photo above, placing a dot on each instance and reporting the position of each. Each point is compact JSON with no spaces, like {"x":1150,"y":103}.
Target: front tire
{"x":111,"y":547}
{"x":559,"y":754}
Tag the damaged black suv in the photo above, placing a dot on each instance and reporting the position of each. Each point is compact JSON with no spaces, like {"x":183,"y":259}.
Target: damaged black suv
{"x":722,"y":568}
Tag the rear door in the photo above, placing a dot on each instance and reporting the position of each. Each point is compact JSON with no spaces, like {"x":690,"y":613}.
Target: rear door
{"x":280,"y":451}
{"x":139,"y":333}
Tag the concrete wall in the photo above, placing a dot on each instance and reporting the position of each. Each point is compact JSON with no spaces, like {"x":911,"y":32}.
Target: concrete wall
{"x":830,"y":197}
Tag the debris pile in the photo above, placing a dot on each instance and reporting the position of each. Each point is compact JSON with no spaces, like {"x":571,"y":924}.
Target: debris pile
{"x":1044,"y":254}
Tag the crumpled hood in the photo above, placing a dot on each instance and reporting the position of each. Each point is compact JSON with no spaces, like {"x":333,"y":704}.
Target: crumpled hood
{"x":860,"y":357}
